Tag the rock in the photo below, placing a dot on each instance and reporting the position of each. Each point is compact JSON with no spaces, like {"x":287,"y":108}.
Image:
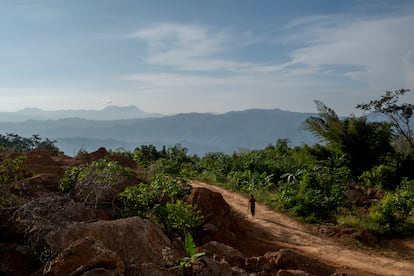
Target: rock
{"x":271,"y":256}
{"x":375,"y":194}
{"x":356,"y":197}
{"x":224,"y":225}
{"x":209,"y":228}
{"x":17,"y":260}
{"x":291,"y":259}
{"x":86,"y":256}
{"x":291,"y":272}
{"x":150,"y":269}
{"x":134,"y":239}
{"x":34,"y":186}
{"x":209,"y":202}
{"x":219,"y":222}
{"x":220,"y":249}
{"x":208,"y":267}
{"x":38,"y":217}
{"x":7,"y":233}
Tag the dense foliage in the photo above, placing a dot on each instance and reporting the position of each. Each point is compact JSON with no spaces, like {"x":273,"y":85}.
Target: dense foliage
{"x":14,"y":142}
{"x":162,"y":200}
{"x":360,"y":174}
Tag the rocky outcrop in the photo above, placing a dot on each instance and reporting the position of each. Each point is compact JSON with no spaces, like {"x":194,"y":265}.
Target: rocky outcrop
{"x":218,"y":223}
{"x":358,"y":197}
{"x":17,"y":260}
{"x":86,"y":256}
{"x":291,"y":259}
{"x":38,"y":217}
{"x":138,"y":242}
{"x":223,"y":225}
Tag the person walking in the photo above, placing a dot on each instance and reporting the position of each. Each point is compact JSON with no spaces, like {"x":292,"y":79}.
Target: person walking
{"x":252,"y":205}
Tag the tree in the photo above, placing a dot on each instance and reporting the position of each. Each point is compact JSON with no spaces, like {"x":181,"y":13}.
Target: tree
{"x":363,"y":143}
{"x":399,"y":114}
{"x":146,"y":154}
{"x":327,"y":127}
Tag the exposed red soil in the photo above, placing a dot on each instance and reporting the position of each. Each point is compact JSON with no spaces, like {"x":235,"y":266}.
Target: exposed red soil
{"x":273,"y":230}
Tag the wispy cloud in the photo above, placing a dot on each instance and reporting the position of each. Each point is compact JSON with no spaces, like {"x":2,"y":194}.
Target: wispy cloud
{"x":377,"y":47}
{"x":367,"y":55}
{"x":193,"y":47}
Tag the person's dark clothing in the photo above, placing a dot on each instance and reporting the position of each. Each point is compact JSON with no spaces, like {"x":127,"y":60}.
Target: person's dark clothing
{"x":252,"y":205}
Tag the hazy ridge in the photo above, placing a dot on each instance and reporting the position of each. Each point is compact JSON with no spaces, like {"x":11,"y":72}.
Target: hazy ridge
{"x":199,"y":132}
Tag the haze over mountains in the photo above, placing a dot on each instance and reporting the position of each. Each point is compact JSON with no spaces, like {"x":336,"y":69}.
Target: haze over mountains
{"x":111,"y":112}
{"x":129,"y":127}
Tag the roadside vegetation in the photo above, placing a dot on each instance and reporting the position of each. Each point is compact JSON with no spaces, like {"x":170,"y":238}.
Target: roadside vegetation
{"x":359,"y":174}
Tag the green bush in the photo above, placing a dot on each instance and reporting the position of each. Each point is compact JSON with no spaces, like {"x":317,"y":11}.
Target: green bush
{"x":314,"y":197}
{"x":68,"y":181}
{"x":161,"y":200}
{"x":394,"y":214}
{"x":94,"y":183}
{"x":382,"y":176}
{"x":143,"y":198}
{"x":138,"y":200}
{"x":14,"y":170}
{"x":178,"y":218}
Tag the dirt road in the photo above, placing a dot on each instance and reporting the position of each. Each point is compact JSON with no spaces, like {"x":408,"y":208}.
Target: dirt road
{"x":291,"y":234}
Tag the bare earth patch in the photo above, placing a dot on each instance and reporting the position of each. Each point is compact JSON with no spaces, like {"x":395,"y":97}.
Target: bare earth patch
{"x":285,"y":232}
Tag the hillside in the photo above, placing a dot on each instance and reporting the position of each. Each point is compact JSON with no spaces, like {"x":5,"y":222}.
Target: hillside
{"x":199,"y":132}
{"x":46,"y":232}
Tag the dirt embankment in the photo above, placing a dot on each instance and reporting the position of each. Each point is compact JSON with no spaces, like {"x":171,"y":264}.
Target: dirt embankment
{"x":284,"y":232}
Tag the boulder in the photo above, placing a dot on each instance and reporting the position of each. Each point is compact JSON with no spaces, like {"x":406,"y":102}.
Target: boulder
{"x":135,"y":240}
{"x":34,"y":186}
{"x":224,"y":225}
{"x":52,"y":212}
{"x":86,"y":256}
{"x":220,"y":249}
{"x":219,"y":222}
{"x":291,"y":272}
{"x":375,"y":194}
{"x":291,"y":259}
{"x":206,"y":266}
{"x":356,"y":197}
{"x":17,"y":260}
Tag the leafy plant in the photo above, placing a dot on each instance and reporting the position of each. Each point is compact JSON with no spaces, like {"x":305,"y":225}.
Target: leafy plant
{"x":188,"y":261}
{"x":94,"y":183}
{"x":178,"y":218}
{"x":382,"y":176}
{"x":138,"y":200}
{"x":13,"y":170}
{"x":393,"y":215}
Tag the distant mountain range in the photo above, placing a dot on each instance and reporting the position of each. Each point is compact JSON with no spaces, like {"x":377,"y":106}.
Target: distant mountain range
{"x":111,"y":112}
{"x":199,"y":132}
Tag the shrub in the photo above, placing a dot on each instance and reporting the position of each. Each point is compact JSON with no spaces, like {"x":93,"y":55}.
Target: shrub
{"x":95,"y":183}
{"x":380,"y":176}
{"x":393,"y":214}
{"x":178,"y":218}
{"x":161,"y":200}
{"x":314,"y":197}
{"x":13,"y":170}
{"x":138,"y":200}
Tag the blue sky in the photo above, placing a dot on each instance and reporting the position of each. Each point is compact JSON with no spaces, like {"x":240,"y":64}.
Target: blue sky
{"x":178,"y":56}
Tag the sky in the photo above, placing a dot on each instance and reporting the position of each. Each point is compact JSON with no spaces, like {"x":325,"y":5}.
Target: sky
{"x":180,"y":56}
